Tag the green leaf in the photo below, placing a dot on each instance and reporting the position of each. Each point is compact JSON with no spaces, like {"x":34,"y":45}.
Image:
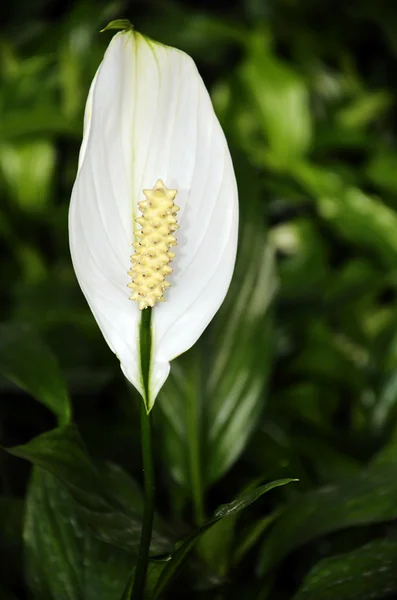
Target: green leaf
{"x":123,"y":24}
{"x":126,"y":595}
{"x":365,"y":109}
{"x":172,"y":567}
{"x":64,"y":560}
{"x":227,"y":510}
{"x":363,"y":574}
{"x":242,"y":335}
{"x":106,"y":499}
{"x":28,"y":362}
{"x":181,"y":424}
{"x":62,"y":453}
{"x":214,"y":545}
{"x":364,"y":221}
{"x":367,"y":498}
{"x":282,"y":101}
{"x":154,"y":571}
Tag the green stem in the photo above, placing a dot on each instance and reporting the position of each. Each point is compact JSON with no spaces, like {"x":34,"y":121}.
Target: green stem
{"x":195,"y":464}
{"x":147,"y":460}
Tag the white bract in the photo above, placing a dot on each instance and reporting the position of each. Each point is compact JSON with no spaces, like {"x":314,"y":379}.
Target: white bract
{"x":149,"y":122}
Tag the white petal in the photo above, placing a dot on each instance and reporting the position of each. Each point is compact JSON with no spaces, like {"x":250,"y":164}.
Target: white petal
{"x":101,"y":213}
{"x":149,"y":117}
{"x":87,"y":120}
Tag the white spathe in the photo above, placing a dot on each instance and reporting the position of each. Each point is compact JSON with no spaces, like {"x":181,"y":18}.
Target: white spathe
{"x":148,"y":117}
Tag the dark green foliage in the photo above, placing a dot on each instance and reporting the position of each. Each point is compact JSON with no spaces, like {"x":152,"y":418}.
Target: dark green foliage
{"x":64,"y":559}
{"x":107,"y":499}
{"x":26,"y":361}
{"x":368,"y":572}
{"x":365,"y":499}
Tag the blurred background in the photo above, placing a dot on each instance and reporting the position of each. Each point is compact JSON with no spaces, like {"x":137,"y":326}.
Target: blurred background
{"x":297,"y":375}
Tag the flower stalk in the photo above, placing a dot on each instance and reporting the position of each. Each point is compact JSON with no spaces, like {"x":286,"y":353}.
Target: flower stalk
{"x":147,"y":461}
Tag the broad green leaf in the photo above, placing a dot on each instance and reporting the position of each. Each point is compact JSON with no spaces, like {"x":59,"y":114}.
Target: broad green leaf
{"x":368,"y":498}
{"x":364,"y":221}
{"x":173,"y":566}
{"x":126,"y":595}
{"x":181,"y":424}
{"x":281,"y":99}
{"x":363,"y":574}
{"x":214,"y":545}
{"x":62,"y":453}
{"x":107,"y":500}
{"x":240,"y":368}
{"x":28,"y":362}
{"x":64,"y":559}
{"x":154,"y":570}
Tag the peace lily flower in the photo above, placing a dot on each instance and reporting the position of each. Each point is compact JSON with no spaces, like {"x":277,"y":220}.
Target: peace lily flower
{"x":153,"y":216}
